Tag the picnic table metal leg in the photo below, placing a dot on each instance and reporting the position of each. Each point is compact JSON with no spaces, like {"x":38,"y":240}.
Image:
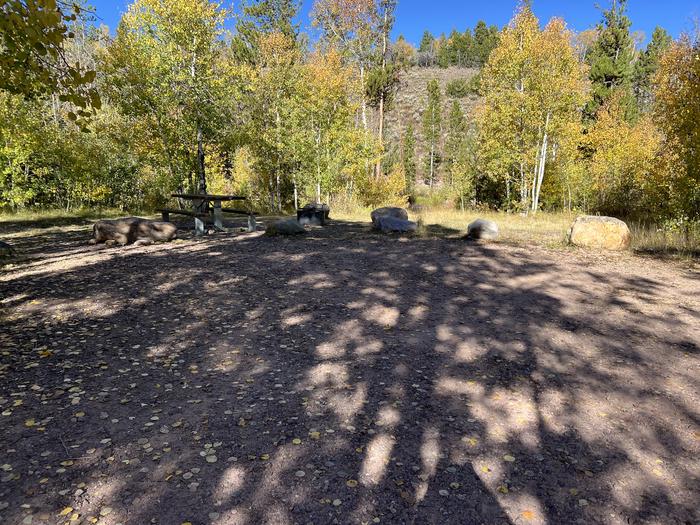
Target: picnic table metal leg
{"x":198,"y":227}
{"x":218,"y":224}
{"x":198,"y":207}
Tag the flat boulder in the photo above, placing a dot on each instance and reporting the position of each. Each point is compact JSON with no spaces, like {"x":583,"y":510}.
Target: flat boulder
{"x":482,"y":229}
{"x":604,"y":233}
{"x":392,"y":224}
{"x":132,"y":230}
{"x":391,"y":212}
{"x":285,"y":227}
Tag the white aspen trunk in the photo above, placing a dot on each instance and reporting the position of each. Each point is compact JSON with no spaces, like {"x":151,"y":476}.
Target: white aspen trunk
{"x":296,"y":194}
{"x":543,"y":163}
{"x":523,"y":188}
{"x":278,"y":122}
{"x":378,"y":168}
{"x":318,"y":166}
{"x":508,"y":188}
{"x":364,"y":101}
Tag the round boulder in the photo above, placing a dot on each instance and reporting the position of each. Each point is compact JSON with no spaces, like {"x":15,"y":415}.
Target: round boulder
{"x":394,"y":213}
{"x":606,"y":233}
{"x":482,"y":229}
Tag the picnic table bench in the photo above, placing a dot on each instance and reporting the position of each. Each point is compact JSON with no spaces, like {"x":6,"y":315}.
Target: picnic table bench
{"x":205,"y":206}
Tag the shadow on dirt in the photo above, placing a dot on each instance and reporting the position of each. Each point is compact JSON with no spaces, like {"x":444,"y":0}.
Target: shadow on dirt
{"x":341,"y":377}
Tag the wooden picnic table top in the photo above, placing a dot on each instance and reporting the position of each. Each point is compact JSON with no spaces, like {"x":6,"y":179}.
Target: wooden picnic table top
{"x":208,"y":197}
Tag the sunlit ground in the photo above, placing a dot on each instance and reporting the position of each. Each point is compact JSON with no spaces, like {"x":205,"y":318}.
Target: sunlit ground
{"x":345,"y":377}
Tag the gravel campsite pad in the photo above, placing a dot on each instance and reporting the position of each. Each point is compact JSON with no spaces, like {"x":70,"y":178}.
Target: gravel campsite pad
{"x":346,"y":377}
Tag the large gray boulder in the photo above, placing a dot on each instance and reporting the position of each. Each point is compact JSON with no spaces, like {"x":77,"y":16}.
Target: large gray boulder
{"x":396,"y":213}
{"x":285,"y":227}
{"x":132,"y":230}
{"x":606,"y":233}
{"x":392,"y":224}
{"x":482,"y":229}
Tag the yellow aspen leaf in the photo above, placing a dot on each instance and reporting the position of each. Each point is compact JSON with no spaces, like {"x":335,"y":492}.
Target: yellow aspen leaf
{"x":528,"y":515}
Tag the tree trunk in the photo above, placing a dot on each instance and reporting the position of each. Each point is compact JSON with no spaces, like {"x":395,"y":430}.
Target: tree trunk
{"x":278,"y":168}
{"x":378,"y":168}
{"x":296,"y":194}
{"x":523,"y":188}
{"x":200,"y":162}
{"x":364,"y":101}
{"x":542,"y":163}
{"x":318,"y":166}
{"x":432,"y":164}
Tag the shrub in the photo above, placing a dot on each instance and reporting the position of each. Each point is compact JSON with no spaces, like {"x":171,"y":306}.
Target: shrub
{"x":460,"y":87}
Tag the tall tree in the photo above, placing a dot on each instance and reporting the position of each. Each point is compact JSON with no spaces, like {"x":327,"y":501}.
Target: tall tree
{"x":611,"y":60}
{"x":164,"y":64}
{"x":432,"y":126}
{"x":275,"y":90}
{"x":386,"y":74}
{"x":262,"y":17}
{"x":408,"y":157}
{"x":646,"y":66}
{"x":677,"y":111}
{"x":534,"y":88}
{"x":485,"y":40}
{"x":426,"y":42}
{"x":456,"y":132}
{"x":350,"y":26}
{"x":464,"y":167}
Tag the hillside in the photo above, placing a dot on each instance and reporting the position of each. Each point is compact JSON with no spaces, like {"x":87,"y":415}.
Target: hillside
{"x":411,"y":100}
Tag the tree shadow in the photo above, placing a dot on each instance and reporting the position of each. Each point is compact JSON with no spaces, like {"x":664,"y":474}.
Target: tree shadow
{"x":342,"y":377}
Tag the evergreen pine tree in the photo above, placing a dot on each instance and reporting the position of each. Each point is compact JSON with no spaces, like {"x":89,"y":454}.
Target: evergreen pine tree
{"x":646,"y":66}
{"x":432,"y":127}
{"x":426,"y":43}
{"x":457,"y":127}
{"x":611,"y":59}
{"x":263,"y":17}
{"x":408,"y":157}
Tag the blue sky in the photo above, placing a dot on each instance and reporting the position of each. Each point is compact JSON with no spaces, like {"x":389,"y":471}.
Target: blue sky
{"x":415,"y":16}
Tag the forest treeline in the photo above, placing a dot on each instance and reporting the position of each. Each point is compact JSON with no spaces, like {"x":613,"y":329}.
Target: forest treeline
{"x":173,"y":100}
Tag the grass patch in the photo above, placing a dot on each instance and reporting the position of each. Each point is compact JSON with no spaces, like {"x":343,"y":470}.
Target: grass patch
{"x":543,"y":229}
{"x":651,"y":240}
{"x":546,"y":229}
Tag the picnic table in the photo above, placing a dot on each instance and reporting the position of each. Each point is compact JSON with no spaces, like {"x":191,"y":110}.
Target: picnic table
{"x":205,"y":205}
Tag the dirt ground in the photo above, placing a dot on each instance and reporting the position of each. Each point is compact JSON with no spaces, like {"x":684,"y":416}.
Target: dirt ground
{"x":345,"y":377}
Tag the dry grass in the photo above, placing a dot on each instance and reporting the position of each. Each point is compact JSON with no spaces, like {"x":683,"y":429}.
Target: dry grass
{"x":656,"y":241}
{"x":544,"y":229}
{"x":548,"y":229}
